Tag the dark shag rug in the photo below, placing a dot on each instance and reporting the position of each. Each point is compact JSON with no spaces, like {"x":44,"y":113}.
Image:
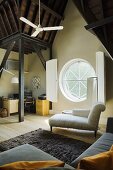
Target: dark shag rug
{"x":61,"y":147}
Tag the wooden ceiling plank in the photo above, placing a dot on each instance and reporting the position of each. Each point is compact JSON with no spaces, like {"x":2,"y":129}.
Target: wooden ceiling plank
{"x":3,"y":26}
{"x":53,"y":34}
{"x":6,"y":20}
{"x":1,"y":33}
{"x":42,"y":23}
{"x":7,"y":53}
{"x":36,"y":22}
{"x":47,"y":17}
{"x":56,"y":22}
{"x":48,"y":32}
{"x":11,"y":17}
{"x":29,"y":17}
{"x":24,"y":9}
{"x":48,"y":9}
{"x":33,"y":19}
{"x":15,"y":10}
{"x":47,"y":20}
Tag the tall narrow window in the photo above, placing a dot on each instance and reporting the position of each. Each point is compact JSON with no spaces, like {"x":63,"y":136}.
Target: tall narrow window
{"x":73,"y":79}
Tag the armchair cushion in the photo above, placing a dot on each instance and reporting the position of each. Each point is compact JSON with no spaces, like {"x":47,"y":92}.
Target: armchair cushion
{"x":25,"y":165}
{"x":102,"y":161}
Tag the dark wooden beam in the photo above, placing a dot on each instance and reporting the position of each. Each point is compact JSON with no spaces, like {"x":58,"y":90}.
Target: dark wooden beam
{"x":100,"y":23}
{"x":38,"y":52}
{"x":10,"y":47}
{"x":40,"y":43}
{"x":103,"y":16}
{"x":89,"y":16}
{"x":48,"y":9}
{"x":9,"y":39}
{"x":28,"y":38}
{"x":21,"y":80}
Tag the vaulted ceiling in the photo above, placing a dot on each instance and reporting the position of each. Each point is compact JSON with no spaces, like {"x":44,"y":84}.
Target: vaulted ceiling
{"x":97,"y":13}
{"x":10,"y":11}
{"x":99,"y":16}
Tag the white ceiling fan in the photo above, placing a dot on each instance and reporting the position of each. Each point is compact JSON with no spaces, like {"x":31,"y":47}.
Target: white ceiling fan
{"x":39,"y":28}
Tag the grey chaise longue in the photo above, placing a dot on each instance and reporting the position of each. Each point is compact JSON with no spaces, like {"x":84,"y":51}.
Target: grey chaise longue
{"x":79,"y":119}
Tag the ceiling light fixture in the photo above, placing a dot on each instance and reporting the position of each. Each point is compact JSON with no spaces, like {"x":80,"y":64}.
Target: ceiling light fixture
{"x":14,"y":80}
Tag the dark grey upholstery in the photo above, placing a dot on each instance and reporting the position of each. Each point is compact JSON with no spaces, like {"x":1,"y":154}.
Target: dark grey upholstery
{"x":103,"y":144}
{"x":109,"y":127}
{"x":25,"y":153}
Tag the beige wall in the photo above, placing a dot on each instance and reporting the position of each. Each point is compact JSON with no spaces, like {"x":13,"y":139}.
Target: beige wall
{"x":75,"y":42}
{"x":32,"y":66}
{"x":5,"y":81}
{"x":36,"y":68}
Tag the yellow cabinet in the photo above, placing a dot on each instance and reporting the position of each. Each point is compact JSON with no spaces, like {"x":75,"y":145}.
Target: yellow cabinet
{"x":42,"y":107}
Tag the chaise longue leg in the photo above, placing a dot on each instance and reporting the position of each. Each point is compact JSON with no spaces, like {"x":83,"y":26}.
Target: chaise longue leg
{"x":95,"y":133}
{"x":51,"y":128}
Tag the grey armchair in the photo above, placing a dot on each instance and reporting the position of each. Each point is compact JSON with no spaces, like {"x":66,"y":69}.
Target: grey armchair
{"x":79,"y":119}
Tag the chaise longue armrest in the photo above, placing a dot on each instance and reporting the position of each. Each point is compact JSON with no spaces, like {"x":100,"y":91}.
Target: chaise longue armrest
{"x":80,"y":112}
{"x":109,"y":127}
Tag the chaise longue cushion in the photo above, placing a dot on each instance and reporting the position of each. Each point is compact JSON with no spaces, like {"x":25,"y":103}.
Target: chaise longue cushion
{"x":69,"y":121}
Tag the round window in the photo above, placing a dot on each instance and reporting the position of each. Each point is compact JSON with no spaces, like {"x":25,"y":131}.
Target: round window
{"x":73,"y":79}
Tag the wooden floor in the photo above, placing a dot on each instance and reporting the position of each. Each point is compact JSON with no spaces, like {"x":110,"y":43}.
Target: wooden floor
{"x":10,"y":127}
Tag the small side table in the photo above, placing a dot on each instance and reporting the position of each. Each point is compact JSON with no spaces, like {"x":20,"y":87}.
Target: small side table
{"x":42,"y":107}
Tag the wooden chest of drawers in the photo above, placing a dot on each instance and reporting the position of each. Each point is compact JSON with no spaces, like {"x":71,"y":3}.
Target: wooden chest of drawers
{"x":11,"y":105}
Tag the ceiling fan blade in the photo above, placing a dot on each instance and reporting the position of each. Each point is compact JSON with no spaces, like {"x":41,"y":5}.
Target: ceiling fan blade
{"x":52,"y":28}
{"x":28,"y":22}
{"x":35,"y":33}
{"x":38,"y":30}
